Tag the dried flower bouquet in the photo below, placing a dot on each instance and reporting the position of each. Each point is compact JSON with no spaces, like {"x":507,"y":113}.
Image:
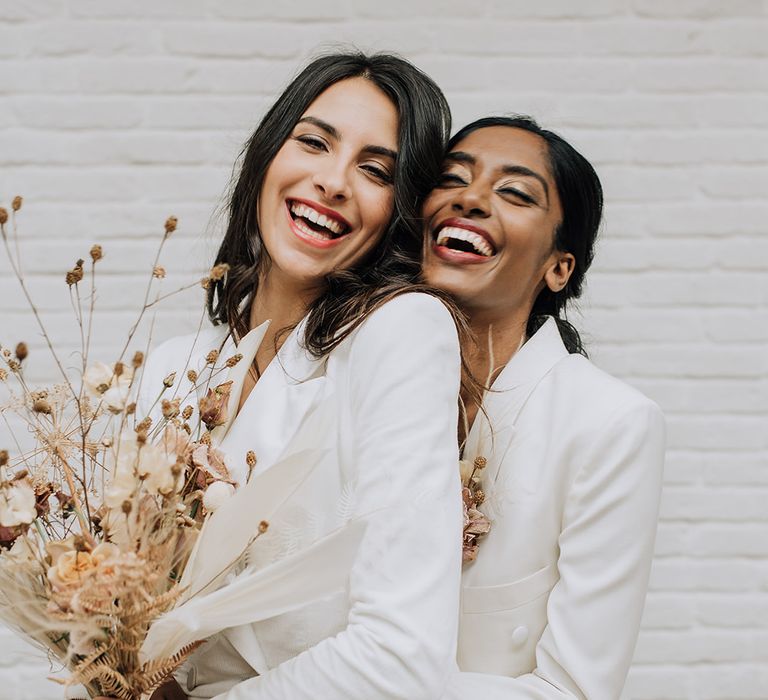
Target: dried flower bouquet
{"x":99,"y":516}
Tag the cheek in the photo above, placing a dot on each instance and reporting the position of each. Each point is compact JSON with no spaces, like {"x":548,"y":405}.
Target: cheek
{"x":377,"y":210}
{"x":433,"y":204}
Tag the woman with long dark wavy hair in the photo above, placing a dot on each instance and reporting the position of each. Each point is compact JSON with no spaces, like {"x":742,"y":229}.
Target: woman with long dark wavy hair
{"x":323,"y":242}
{"x":552,"y":595}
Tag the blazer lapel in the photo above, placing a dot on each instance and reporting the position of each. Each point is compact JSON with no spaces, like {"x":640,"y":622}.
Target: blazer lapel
{"x":491,"y":437}
{"x":284,"y":397}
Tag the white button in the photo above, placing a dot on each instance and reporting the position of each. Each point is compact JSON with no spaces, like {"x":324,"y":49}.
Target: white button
{"x":519,"y":636}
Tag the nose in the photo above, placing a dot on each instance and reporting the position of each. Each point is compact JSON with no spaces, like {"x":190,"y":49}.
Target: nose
{"x":331,"y":181}
{"x":473,"y":200}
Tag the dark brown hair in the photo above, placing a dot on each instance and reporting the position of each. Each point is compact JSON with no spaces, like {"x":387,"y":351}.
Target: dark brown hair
{"x":393,"y":267}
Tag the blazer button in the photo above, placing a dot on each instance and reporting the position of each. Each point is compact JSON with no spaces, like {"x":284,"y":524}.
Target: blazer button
{"x":519,"y":636}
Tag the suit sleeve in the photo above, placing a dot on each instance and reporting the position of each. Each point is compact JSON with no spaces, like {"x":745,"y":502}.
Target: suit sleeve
{"x":400,"y":638}
{"x":606,"y":547}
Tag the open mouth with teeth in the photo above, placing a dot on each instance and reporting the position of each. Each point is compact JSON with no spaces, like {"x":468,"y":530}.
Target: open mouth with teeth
{"x":462,"y":240}
{"x":314,"y":224}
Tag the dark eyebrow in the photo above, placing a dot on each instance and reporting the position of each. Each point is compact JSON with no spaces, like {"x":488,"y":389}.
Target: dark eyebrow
{"x":522,"y":170}
{"x":333,"y":132}
{"x":462,"y":157}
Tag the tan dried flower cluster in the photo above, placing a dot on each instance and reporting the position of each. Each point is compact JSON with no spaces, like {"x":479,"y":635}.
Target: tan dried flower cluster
{"x":475,"y":523}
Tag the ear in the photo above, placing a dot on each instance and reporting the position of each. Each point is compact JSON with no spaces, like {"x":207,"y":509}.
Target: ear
{"x":559,"y":270}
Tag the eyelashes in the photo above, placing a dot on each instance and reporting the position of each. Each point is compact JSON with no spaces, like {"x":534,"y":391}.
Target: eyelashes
{"x":317,"y":144}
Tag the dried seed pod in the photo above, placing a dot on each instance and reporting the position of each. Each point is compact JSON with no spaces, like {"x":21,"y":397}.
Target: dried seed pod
{"x":232,"y":361}
{"x":170,"y":225}
{"x":158,"y":272}
{"x":192,"y":376}
{"x":138,"y":359}
{"x":263,"y":527}
{"x":218,"y":271}
{"x":22,"y":352}
{"x":75,"y":275}
{"x":250,"y":458}
{"x":186,"y":414}
{"x":169,"y":380}
{"x":3,"y":457}
{"x":41,"y":406}
{"x":16,"y":203}
{"x":96,"y":252}
{"x":211,"y":357}
{"x":3,"y":215}
{"x":480,"y":462}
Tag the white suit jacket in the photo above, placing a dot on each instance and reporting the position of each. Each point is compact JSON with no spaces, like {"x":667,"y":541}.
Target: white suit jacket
{"x":389,"y":393}
{"x":551,"y":607}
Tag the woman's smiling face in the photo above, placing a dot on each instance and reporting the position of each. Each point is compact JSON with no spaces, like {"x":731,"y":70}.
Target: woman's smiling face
{"x":490,"y":223}
{"x":327,"y":197}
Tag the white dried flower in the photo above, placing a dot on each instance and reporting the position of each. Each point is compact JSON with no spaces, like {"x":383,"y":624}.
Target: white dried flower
{"x":101,"y":380}
{"x":131,"y":464}
{"x":218,"y":493}
{"x":17,"y":504}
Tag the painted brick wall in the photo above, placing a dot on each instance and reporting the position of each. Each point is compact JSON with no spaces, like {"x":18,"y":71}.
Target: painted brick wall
{"x":116,"y":113}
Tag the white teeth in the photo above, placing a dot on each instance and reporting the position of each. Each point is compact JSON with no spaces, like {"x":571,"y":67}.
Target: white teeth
{"x":474,"y":239}
{"x":310,"y":232}
{"x":306,"y":212}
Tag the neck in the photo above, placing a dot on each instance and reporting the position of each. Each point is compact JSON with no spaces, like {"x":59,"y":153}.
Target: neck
{"x":497,"y":338}
{"x":282,"y":302}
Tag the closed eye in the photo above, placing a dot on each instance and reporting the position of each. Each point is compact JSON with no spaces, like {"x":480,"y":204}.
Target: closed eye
{"x":518,"y":193}
{"x":450,"y":179}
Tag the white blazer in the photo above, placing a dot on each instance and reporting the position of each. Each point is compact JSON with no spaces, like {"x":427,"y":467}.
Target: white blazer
{"x":551,"y":607}
{"x":389,"y":396}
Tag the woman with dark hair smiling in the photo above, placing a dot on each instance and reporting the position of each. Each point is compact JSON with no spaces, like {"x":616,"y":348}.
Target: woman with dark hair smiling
{"x":567,"y":460}
{"x":322,"y":245}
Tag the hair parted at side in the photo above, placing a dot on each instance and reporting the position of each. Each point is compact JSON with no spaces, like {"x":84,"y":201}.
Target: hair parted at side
{"x":581,"y":198}
{"x":393,"y":266}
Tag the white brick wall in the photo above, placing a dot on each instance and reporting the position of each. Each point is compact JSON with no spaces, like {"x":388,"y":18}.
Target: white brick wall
{"x":116,"y":113}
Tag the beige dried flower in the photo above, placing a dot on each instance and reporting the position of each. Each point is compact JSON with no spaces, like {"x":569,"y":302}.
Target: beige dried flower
{"x":480,"y":462}
{"x":170,"y":225}
{"x":118,"y":369}
{"x":158,"y":272}
{"x":232,"y":361}
{"x":3,"y":215}
{"x":211,"y":357}
{"x":3,"y":375}
{"x":138,"y":359}
{"x":3,"y":457}
{"x":169,"y":380}
{"x":144,"y":425}
{"x":205,"y":283}
{"x":170,"y":409}
{"x":218,"y":271}
{"x":192,"y":376}
{"x":250,"y":458}
{"x":130,"y":409}
{"x":263,"y":527}
{"x":205,"y":438}
{"x":97,"y":253}
{"x":21,"y":352}
{"x":16,"y":203}
{"x":186,"y":414}
{"x":75,"y":275}
{"x":14,"y":365}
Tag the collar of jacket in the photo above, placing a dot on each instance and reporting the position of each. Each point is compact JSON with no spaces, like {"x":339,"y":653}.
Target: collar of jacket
{"x":508,"y":394}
